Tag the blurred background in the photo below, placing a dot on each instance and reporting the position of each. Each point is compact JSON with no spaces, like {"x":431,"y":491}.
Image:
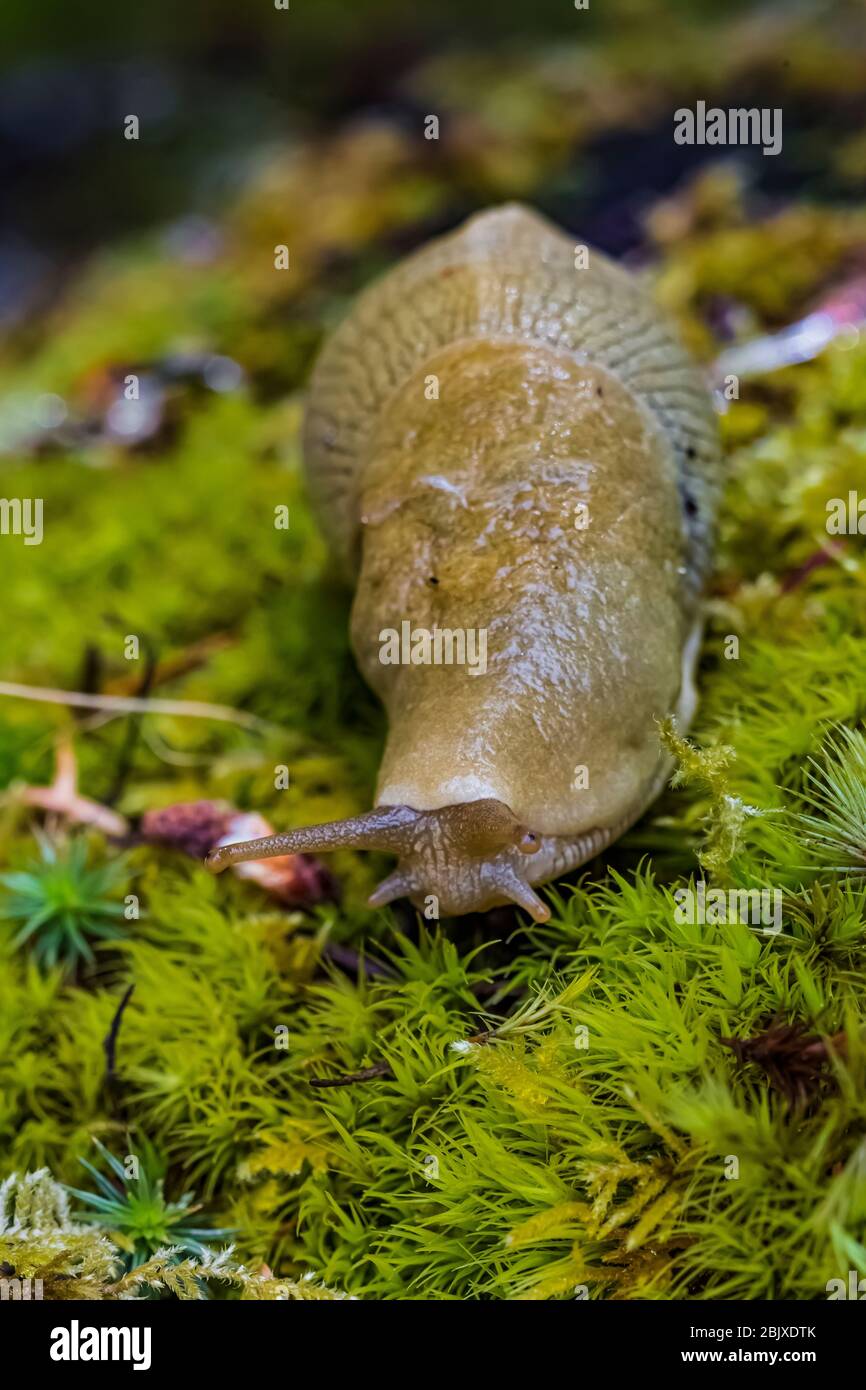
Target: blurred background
{"x":572,"y":105}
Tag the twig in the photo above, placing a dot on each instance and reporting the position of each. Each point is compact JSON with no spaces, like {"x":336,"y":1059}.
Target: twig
{"x":792,"y":1058}
{"x":173,"y":756}
{"x":170,"y":667}
{"x":63,"y":798}
{"x":109,"y":1043}
{"x":368,"y":1074}
{"x":132,"y":732}
{"x":827,"y":555}
{"x":485,"y":988}
{"x":129,"y":704}
{"x":353,"y":963}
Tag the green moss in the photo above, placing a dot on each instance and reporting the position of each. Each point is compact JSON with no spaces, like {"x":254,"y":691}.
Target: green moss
{"x":43,"y":1242}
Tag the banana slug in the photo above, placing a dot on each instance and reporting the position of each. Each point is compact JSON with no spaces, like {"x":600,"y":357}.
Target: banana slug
{"x":503,"y":440}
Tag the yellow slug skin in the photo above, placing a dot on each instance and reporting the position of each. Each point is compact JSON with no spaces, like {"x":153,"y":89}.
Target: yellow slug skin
{"x":503,"y":443}
{"x":535,"y":502}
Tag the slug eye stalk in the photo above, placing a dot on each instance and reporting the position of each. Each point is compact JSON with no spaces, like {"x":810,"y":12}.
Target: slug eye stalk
{"x":385,"y":828}
{"x":455,"y":853}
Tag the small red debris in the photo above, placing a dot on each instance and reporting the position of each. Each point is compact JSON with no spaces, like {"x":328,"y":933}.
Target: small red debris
{"x":197,"y":827}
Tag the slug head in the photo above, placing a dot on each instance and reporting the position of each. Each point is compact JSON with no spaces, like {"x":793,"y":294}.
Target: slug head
{"x":470,"y":856}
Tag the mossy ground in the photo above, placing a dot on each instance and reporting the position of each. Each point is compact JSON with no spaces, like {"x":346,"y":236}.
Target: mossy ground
{"x":585,"y":1137}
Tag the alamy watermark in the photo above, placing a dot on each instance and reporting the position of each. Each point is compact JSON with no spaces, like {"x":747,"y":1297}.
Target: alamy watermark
{"x":77,"y":1343}
{"x":717,"y":906}
{"x":737,"y":126}
{"x":847,"y":517}
{"x":855,"y":1289}
{"x":22,"y":516}
{"x":21,"y":1290}
{"x":438,"y":646}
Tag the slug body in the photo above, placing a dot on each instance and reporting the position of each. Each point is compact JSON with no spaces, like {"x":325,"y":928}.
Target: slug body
{"x":510,"y":449}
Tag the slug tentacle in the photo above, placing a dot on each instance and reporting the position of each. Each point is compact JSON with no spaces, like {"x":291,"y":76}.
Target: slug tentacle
{"x":385,"y":828}
{"x":517,"y":890}
{"x":465,"y":855}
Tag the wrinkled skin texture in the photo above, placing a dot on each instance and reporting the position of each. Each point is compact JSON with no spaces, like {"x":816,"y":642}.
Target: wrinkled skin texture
{"x":504,"y":443}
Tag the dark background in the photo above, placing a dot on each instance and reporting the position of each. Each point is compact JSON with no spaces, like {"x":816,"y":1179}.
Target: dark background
{"x":215,"y":79}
